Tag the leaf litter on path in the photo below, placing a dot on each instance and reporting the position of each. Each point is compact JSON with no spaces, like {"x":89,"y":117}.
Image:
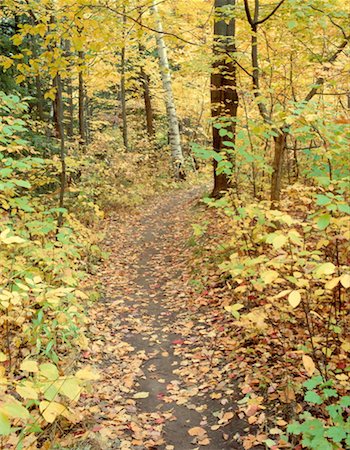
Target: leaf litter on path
{"x":166,"y":376}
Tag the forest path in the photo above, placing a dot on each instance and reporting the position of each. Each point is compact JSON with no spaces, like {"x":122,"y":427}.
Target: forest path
{"x":166,"y":380}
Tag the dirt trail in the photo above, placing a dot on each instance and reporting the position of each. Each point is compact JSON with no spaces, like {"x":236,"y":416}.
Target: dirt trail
{"x":166,"y":382}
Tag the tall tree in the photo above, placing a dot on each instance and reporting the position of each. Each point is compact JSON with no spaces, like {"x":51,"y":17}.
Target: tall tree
{"x":281,"y":132}
{"x":122,"y":84}
{"x":174,"y":131}
{"x":224,"y":97}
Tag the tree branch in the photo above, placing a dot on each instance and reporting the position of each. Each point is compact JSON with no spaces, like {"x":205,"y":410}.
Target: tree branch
{"x":141,"y":24}
{"x":247,"y":11}
{"x":259,"y":22}
{"x":320,"y":80}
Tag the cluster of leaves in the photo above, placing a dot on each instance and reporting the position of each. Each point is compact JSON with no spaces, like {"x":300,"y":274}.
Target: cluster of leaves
{"x":317,"y":433}
{"x":113,"y":178}
{"x":289,"y":274}
{"x":41,"y":308}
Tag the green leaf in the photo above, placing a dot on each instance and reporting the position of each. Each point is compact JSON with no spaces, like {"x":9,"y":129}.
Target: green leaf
{"x":342,"y":207}
{"x":313,"y":397}
{"x":345,"y":401}
{"x":328,"y":393}
{"x":322,"y":200}
{"x":22,"y":183}
{"x":15,"y":410}
{"x":336,"y":433}
{"x":313,"y":382}
{"x":49,"y":371}
{"x":5,"y":427}
{"x":323,"y":221}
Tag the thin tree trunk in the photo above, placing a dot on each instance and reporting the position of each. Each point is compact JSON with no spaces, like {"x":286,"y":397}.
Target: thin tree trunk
{"x":81,"y":99}
{"x":122,"y":88}
{"x":277,"y":166}
{"x":69,"y":92}
{"x":70,"y":109}
{"x":145,"y":85}
{"x":39,"y":98}
{"x":224,"y":97}
{"x":174,"y":132}
{"x":148,"y":103}
{"x":60,"y":136}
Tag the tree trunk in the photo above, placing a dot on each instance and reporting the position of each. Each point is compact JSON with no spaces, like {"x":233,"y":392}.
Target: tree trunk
{"x":60,"y":135}
{"x":148,"y":103}
{"x":277,"y":166}
{"x":39,"y":98}
{"x":81,"y":99}
{"x":122,"y":88}
{"x":174,"y":132}
{"x":70,"y":109}
{"x":145,"y":85}
{"x":69,"y":92}
{"x":224,"y":97}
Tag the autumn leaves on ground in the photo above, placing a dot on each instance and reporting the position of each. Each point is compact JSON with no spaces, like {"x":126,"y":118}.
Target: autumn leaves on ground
{"x":174,"y":225}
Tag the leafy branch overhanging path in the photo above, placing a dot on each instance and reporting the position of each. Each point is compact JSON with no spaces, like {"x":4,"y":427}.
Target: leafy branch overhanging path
{"x":166,"y":379}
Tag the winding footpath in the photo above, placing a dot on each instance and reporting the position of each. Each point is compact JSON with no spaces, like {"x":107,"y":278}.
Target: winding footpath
{"x":166,"y":377}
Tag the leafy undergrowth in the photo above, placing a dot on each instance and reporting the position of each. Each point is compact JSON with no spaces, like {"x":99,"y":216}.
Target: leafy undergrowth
{"x":45,"y":278}
{"x":284,"y":279}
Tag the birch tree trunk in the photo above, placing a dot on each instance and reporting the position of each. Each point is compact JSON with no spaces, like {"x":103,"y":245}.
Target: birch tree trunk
{"x":174,"y":132}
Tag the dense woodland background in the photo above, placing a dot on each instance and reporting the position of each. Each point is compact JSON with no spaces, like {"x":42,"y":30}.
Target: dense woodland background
{"x":104,"y":104}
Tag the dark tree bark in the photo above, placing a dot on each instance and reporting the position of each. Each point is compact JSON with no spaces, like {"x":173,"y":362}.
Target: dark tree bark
{"x":148,"y":102}
{"x":82,"y":131}
{"x":70,"y":109}
{"x":145,"y":85}
{"x":60,"y":135}
{"x":69,"y":91}
{"x":276,"y":178}
{"x":123,"y":89}
{"x":224,"y":97}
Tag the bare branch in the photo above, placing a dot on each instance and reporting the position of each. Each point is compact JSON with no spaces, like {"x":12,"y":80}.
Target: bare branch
{"x":259,"y":22}
{"x":247,"y":11}
{"x":320,"y":80}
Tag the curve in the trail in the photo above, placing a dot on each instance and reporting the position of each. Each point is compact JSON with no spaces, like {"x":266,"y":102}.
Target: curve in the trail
{"x":165,"y":384}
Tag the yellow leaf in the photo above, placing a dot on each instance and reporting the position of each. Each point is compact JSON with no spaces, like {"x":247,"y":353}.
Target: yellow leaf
{"x":51,"y":410}
{"x":345,"y":280}
{"x":49,"y":371}
{"x":346,"y":346}
{"x":294,"y":299}
{"x":27,"y":391}
{"x":279,"y":241}
{"x":30,"y":366}
{"x":282,"y":293}
{"x":331,"y":284}
{"x":87,"y":374}
{"x":197,"y":431}
{"x":3,"y":357}
{"x":51,"y":94}
{"x":309,"y":365}
{"x":325,"y":269}
{"x":20,"y":78}
{"x":10,"y":239}
{"x":269,"y":276}
{"x":141,"y":395}
{"x":70,"y":388}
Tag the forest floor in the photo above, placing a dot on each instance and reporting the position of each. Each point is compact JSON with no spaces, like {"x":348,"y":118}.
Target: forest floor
{"x":167,"y":378}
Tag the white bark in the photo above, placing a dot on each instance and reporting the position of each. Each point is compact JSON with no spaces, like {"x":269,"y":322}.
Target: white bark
{"x":174,"y":132}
